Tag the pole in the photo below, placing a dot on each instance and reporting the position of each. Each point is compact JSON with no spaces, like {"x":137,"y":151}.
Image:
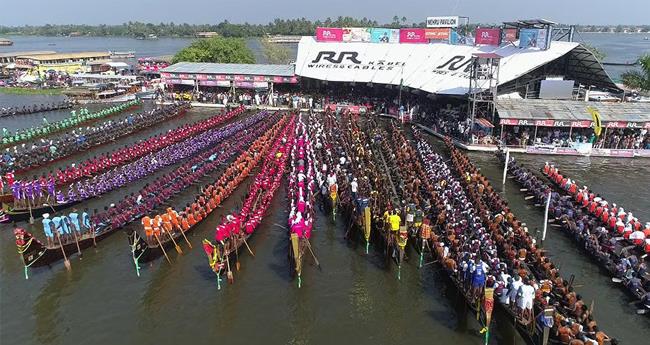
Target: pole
{"x":548,"y":203}
{"x":161,"y":247}
{"x":505,"y":167}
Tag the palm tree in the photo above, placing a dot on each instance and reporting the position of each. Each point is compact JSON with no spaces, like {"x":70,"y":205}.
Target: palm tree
{"x":638,"y":79}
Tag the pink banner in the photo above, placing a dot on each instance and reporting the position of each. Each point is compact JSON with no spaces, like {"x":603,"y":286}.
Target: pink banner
{"x":490,"y":37}
{"x":329,"y":34}
{"x":412,"y":36}
{"x":546,"y":123}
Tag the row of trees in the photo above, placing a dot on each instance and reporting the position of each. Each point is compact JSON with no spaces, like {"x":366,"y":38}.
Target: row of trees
{"x":300,"y":26}
{"x":613,"y":28}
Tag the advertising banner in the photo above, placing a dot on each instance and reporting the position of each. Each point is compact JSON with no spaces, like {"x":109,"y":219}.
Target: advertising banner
{"x":381,"y":35}
{"x":442,"y":22}
{"x":244,"y":84}
{"x":433,"y":68}
{"x":412,"y":36}
{"x":356,"y":35}
{"x":532,"y":38}
{"x":214,"y":83}
{"x":509,"y":35}
{"x":329,"y":34}
{"x":491,"y":37}
{"x":438,"y":34}
{"x":545,"y":123}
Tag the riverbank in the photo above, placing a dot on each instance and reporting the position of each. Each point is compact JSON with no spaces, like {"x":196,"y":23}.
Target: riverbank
{"x":29,"y":91}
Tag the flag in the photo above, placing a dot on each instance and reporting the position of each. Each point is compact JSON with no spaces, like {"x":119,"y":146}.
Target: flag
{"x":595,"y":115}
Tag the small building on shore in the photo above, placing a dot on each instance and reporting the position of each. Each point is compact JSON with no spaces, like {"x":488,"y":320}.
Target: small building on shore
{"x":62,"y":62}
{"x":206,"y":34}
{"x":198,"y":76}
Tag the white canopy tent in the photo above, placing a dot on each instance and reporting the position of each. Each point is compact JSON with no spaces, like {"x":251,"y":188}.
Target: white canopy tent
{"x":437,"y":68}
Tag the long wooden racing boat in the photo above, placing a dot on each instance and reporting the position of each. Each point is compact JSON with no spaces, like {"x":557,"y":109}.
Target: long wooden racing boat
{"x":24,"y":214}
{"x":142,"y":251}
{"x":36,"y":254}
{"x":181,"y":112}
{"x":6,"y":198}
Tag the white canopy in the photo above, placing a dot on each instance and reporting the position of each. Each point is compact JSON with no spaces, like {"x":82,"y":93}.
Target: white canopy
{"x":435,"y":68}
{"x":117,"y":65}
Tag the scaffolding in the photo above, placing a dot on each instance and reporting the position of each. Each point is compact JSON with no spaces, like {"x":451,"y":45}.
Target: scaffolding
{"x":483,"y":82}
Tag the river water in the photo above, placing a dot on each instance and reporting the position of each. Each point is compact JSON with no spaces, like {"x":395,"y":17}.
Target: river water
{"x":355,"y":298}
{"x":617,"y":47}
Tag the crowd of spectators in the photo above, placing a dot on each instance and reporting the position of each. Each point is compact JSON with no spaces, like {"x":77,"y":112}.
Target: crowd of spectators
{"x":614,"y":138}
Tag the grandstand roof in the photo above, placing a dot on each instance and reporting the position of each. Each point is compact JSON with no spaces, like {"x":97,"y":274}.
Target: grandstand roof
{"x":562,"y":110}
{"x":227,"y":68}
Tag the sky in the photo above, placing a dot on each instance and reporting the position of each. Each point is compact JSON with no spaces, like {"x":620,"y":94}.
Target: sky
{"x":40,"y":12}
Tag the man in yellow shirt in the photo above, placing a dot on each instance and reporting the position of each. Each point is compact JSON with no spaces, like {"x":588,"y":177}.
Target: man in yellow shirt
{"x":395,"y":221}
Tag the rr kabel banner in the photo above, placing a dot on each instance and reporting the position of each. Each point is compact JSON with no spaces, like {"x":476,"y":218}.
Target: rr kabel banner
{"x":412,"y":36}
{"x":329,"y":34}
{"x":491,"y":37}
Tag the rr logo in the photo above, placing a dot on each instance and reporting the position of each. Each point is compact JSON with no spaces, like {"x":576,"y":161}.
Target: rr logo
{"x":330,"y":56}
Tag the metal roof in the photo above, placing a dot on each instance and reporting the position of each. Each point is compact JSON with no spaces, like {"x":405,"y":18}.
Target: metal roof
{"x":66,"y":56}
{"x":541,"y":109}
{"x":529,"y":23}
{"x":585,"y":67}
{"x":231,"y":68}
{"x":37,"y":52}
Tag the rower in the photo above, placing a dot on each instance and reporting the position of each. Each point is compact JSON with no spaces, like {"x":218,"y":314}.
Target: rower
{"x":74,"y":220}
{"x":166,"y":223}
{"x":85,"y":220}
{"x":47,"y":228}
{"x":173,"y":218}
{"x":57,"y":225}
{"x":148,"y":228}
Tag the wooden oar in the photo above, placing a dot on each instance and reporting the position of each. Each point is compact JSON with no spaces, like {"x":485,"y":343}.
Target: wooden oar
{"x":529,"y":197}
{"x":312,"y":254}
{"x":237,"y":264}
{"x":185,"y":237}
{"x":31,"y":217}
{"x":523,"y":189}
{"x":66,"y":262}
{"x":231,"y":278}
{"x":178,"y":249}
{"x":249,"y":248}
{"x":161,"y":247}
{"x":92,"y":228}
{"x":74,"y":232}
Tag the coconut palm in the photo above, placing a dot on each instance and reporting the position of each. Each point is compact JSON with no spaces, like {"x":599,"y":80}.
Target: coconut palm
{"x":638,"y":79}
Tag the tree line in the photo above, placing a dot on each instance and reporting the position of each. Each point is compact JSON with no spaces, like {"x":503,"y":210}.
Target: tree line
{"x":300,"y":26}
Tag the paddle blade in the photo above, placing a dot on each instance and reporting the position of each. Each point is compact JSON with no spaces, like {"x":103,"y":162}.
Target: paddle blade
{"x":67,"y":265}
{"x":238,"y":265}
{"x":178,"y":249}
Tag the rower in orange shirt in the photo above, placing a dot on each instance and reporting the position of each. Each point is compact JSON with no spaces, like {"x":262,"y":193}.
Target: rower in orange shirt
{"x":156,"y":226}
{"x":185,"y":225}
{"x":190,"y":218}
{"x":166,"y":223}
{"x":173,"y":217}
{"x":148,"y":228}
